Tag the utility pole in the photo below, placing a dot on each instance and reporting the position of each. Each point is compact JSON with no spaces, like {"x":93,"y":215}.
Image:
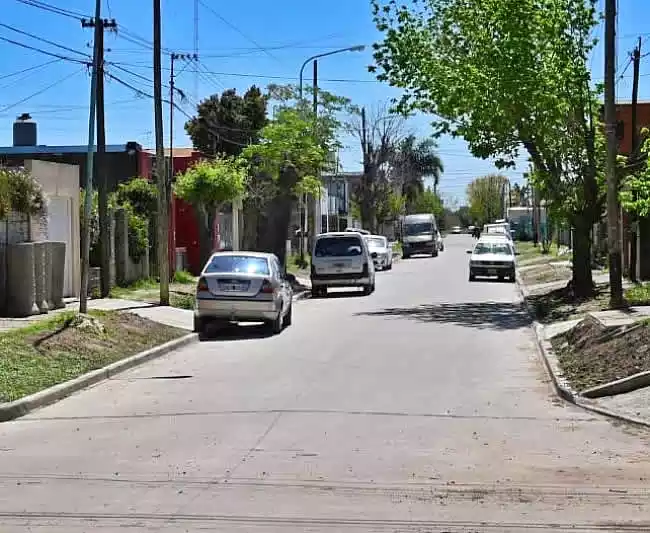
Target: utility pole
{"x":613,"y":220}
{"x":636,"y":64}
{"x":161,"y":174}
{"x":88,"y":189}
{"x":102,"y":171}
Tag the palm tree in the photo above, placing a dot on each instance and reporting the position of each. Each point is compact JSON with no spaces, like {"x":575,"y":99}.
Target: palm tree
{"x":413,"y":161}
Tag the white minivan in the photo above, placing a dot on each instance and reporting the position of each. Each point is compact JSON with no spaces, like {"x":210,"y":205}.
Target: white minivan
{"x":341,"y":259}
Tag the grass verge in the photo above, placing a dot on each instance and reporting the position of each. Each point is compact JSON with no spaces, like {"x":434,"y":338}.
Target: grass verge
{"x":638,"y":294}
{"x":591,"y":355}
{"x":181,"y":291}
{"x":56,"y":350}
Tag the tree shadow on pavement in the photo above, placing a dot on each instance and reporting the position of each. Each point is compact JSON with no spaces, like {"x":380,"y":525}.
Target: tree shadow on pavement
{"x":481,"y":315}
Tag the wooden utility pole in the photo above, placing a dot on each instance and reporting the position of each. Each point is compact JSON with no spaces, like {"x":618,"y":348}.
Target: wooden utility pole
{"x":161,"y":173}
{"x":88,"y":188}
{"x":102,"y":171}
{"x":613,"y":219}
{"x":636,"y":64}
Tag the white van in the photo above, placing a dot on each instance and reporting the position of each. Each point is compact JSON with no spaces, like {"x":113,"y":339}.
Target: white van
{"x":341,"y":259}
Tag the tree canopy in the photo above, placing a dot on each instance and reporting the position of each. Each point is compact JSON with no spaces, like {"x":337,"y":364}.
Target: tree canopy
{"x":486,"y":195}
{"x":507,"y":77}
{"x":226,"y":123}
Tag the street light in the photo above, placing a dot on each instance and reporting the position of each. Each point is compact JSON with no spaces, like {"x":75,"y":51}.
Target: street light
{"x":357,"y":48}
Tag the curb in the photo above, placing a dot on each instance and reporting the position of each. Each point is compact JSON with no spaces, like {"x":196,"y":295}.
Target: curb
{"x":22,"y":406}
{"x":562,"y":389}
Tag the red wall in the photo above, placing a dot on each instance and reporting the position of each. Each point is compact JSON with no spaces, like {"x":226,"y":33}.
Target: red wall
{"x":624,"y":115}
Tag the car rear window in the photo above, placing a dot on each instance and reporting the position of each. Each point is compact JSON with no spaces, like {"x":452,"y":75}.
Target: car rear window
{"x":338,"y":247}
{"x":243,"y":264}
{"x":492,"y":248}
{"x":376,"y":242}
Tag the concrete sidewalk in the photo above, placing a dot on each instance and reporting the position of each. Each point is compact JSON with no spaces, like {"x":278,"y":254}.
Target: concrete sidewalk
{"x":170,"y":316}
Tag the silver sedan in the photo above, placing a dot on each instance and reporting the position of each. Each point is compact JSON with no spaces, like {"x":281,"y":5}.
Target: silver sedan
{"x":379,"y":245}
{"x":243,"y":287}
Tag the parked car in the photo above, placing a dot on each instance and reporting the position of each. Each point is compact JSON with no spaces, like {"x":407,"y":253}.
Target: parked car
{"x":358,"y":230}
{"x":244,"y":287}
{"x":384,"y":251}
{"x":456,"y":230}
{"x":342,"y":259}
{"x":492,"y":257}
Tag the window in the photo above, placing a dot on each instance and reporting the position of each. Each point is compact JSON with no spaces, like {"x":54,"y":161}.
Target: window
{"x":244,"y":264}
{"x":376,"y":242}
{"x":338,"y":247}
{"x":498,"y":248}
{"x":418,"y":228}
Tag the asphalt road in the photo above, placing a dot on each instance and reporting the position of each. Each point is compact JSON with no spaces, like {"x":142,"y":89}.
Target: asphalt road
{"x":423,"y":407}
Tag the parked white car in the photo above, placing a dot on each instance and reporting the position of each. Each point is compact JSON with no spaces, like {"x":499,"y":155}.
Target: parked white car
{"x":379,"y":244}
{"x":341,"y":259}
{"x":492,"y":257}
{"x":243,"y":287}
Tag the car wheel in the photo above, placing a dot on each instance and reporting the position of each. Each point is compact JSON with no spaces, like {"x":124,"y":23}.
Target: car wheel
{"x":198,"y":325}
{"x":367,"y":289}
{"x":472,"y":277}
{"x":276,"y":324}
{"x":390,"y":266}
{"x":288,"y":316}
{"x":434,"y":253}
{"x":318,"y":292}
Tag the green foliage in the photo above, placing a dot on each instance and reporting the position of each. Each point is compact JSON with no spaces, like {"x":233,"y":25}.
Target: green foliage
{"x":289,"y":143}
{"x":427,"y":202}
{"x":502,"y":75}
{"x":635,"y":193}
{"x":486,"y":196}
{"x":138,"y":233}
{"x":183,"y":277}
{"x":20,"y":192}
{"x":210,"y":183}
{"x":141,"y":194}
{"x":226,"y":123}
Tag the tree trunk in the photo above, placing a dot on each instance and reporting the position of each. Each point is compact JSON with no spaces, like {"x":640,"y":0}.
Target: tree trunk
{"x":276,"y":230}
{"x":582,"y":281}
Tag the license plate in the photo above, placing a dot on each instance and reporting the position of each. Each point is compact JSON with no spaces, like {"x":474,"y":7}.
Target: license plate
{"x":492,"y":271}
{"x":233,"y":286}
{"x":339,"y":265}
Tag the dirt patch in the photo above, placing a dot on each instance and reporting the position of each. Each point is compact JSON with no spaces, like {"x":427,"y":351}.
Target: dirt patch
{"x":58,"y":349}
{"x":561,"y":304}
{"x":591,"y":354}
{"x":545,"y":273}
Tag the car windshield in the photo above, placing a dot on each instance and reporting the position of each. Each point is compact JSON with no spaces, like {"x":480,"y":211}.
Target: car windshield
{"x":418,"y":228}
{"x":338,"y":247}
{"x":376,"y":242}
{"x":492,"y":248}
{"x":244,"y":264}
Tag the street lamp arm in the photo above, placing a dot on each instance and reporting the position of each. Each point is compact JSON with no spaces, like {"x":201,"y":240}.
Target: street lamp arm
{"x":358,"y":48}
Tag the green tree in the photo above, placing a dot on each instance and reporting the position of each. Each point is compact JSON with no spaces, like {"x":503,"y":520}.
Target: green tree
{"x":427,"y":202}
{"x":226,"y":123}
{"x":286,"y":163}
{"x":485,"y":197}
{"x":141,"y":194}
{"x":208,"y":186}
{"x":506,"y":75}
{"x":413,"y":161}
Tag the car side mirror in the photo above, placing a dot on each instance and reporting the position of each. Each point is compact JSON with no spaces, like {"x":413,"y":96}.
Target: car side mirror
{"x":290,"y":277}
{"x":373,"y":255}
{"x":468,"y":251}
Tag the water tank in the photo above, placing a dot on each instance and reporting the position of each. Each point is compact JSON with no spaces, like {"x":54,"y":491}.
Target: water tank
{"x":25,"y":131}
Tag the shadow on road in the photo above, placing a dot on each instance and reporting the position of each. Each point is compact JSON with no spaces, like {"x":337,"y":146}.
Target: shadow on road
{"x":236,"y":332}
{"x":485,"y":315}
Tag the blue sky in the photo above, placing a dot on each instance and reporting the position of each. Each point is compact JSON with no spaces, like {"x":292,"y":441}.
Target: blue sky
{"x":239,"y":44}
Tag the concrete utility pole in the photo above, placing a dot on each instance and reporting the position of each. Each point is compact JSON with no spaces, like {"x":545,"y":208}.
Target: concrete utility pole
{"x":102,"y":171}
{"x":636,"y":64}
{"x":613,"y":220}
{"x":88,"y":188}
{"x":161,"y":174}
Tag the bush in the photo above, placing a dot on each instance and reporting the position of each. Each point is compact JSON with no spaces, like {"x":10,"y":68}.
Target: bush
{"x":139,"y":193}
{"x":20,"y":192}
{"x":138,"y":235}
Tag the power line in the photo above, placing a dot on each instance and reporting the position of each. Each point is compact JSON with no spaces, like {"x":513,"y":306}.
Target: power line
{"x":29,"y":69}
{"x":52,"y":8}
{"x":52,"y":43}
{"x":41,"y":51}
{"x":235,"y":28}
{"x":40,"y":91}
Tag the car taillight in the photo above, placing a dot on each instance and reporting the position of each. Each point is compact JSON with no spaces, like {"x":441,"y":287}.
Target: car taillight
{"x":202,"y":286}
{"x":365,"y":269}
{"x":267,"y":287}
